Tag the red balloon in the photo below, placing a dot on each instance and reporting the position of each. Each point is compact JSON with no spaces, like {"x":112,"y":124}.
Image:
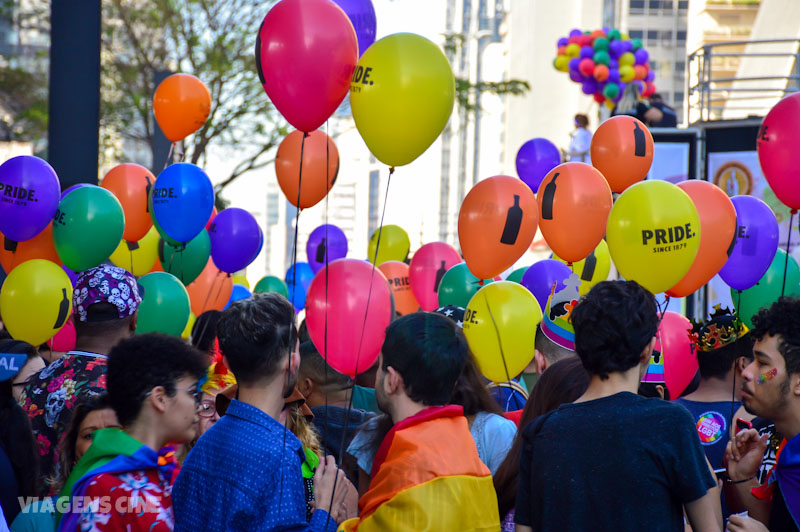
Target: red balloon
{"x":306,"y":52}
{"x":678,"y":352}
{"x":586,"y":66}
{"x":355,"y":328}
{"x":426,"y":270}
{"x":777,"y":150}
{"x":210,"y":219}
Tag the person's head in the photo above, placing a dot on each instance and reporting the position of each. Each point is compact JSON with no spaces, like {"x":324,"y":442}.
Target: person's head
{"x":564,"y":382}
{"x":204,"y":331}
{"x":91,"y":414}
{"x":317,"y":381}
{"x":105,"y":302}
{"x":32,"y":364}
{"x":548,"y":351}
{"x":16,"y":437}
{"x":217,"y":378}
{"x":581,"y":120}
{"x":771,"y":387}
{"x":615,"y":327}
{"x":258,"y":339}
{"x":656,"y":98}
{"x":152,"y":381}
{"x":471,"y":391}
{"x":421,"y":359}
{"x":630,"y":97}
{"x":723,"y":344}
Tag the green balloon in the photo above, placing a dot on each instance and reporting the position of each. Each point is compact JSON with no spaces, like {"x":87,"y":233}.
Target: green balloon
{"x":637,"y":43}
{"x":458,"y":285}
{"x":270,"y":283}
{"x":611,"y":91}
{"x":516,"y":275}
{"x":165,"y":306}
{"x":185,"y":264}
{"x":87,"y":227}
{"x":614,"y":35}
{"x":602,"y":58}
{"x":768,"y":289}
{"x":601,"y":43}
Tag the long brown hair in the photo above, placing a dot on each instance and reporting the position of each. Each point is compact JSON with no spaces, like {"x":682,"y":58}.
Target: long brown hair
{"x":563,"y":382}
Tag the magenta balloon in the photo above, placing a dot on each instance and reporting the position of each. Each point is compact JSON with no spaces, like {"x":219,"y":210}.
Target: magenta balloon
{"x":426,"y":270}
{"x":347,"y":318}
{"x":306,"y":51}
{"x":535,"y":159}
{"x":29,"y":196}
{"x":777,"y":150}
{"x":755,"y":245}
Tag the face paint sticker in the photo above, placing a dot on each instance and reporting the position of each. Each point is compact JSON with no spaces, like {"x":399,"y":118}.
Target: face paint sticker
{"x":710,"y":427}
{"x":768,"y":376}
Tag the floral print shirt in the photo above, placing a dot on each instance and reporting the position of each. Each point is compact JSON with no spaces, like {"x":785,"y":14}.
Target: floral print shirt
{"x":50,"y":397}
{"x":129,"y":502}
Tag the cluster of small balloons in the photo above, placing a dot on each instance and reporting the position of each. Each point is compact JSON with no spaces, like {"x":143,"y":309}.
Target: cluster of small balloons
{"x":603,"y":62}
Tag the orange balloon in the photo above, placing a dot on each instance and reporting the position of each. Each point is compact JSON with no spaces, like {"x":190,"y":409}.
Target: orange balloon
{"x":157,"y":267}
{"x":622,"y":149}
{"x":397,"y":274}
{"x":39,"y":247}
{"x":181,"y":104}
{"x":131,"y":184}
{"x":211,"y":290}
{"x":496,"y":224}
{"x":315,"y":170}
{"x":574,"y":204}
{"x":717,"y":231}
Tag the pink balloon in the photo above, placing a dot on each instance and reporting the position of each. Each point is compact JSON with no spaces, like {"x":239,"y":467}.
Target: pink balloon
{"x":349,"y":350}
{"x":777,"y":150}
{"x":64,"y":340}
{"x":679,"y":352}
{"x":211,"y":218}
{"x":426,"y":270}
{"x":306,"y":52}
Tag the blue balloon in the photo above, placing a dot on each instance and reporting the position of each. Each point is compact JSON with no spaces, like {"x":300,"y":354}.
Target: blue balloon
{"x":298,"y":284}
{"x":362,"y":15}
{"x":239,"y":292}
{"x":181,"y":202}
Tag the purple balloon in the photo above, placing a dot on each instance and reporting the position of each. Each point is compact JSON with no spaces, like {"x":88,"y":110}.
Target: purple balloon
{"x":575,"y":76}
{"x":628,"y":46}
{"x":574,"y":63}
{"x":326,"y":240}
{"x":613,"y":75}
{"x":73,"y":187}
{"x":616,"y":49}
{"x":575,"y":33}
{"x":534,"y":159}
{"x":539,"y":279}
{"x":235,"y":238}
{"x":641,"y":56}
{"x":362,"y":15}
{"x":73,"y":277}
{"x":606,"y":30}
{"x":589,"y":86}
{"x":651,"y":76}
{"x":613,"y":64}
{"x":563,"y":41}
{"x":30,"y":197}
{"x":754,"y":246}
{"x":587,"y":52}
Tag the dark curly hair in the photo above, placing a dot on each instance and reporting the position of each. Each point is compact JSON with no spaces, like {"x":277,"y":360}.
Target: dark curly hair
{"x":613,"y":323}
{"x":781,"y":319}
{"x":138,"y":364}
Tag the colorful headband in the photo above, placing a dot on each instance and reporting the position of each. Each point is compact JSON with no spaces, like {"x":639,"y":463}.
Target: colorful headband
{"x":723,"y":328}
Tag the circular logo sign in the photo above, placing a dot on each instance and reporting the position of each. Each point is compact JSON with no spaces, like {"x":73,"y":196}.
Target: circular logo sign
{"x":710,"y":427}
{"x":734,"y":178}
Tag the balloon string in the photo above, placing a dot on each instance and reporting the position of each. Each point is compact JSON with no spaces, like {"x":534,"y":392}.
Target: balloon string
{"x":786,"y":261}
{"x":297,"y":220}
{"x":502,"y":353}
{"x":325,"y":337}
{"x":738,"y":324}
{"x":203,"y":308}
{"x":169,"y":156}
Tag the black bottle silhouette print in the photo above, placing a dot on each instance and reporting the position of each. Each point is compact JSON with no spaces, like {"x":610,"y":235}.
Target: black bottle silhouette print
{"x":9,"y":245}
{"x":62,"y":310}
{"x":321,"y":250}
{"x":147,"y":193}
{"x":439,"y":274}
{"x":547,"y":200}
{"x":513,"y":223}
{"x":589,"y":267}
{"x":640,"y":144}
{"x":132,"y":246}
{"x":750,"y":245}
{"x":733,"y":242}
{"x":656,"y":356}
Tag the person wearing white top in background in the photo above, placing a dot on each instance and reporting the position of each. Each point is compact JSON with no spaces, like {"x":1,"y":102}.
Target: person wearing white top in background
{"x":580,"y":141}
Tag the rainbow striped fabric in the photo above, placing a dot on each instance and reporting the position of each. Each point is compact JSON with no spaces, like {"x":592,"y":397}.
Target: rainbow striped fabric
{"x":427,"y":477}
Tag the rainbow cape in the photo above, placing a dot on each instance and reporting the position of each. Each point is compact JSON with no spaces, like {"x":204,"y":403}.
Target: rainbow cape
{"x":427,"y":477}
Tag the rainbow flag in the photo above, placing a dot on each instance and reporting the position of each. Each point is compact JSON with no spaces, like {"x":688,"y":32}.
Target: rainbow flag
{"x":427,"y":477}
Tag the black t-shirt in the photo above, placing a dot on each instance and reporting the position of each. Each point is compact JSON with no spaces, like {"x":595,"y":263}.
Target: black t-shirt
{"x":670,"y":118}
{"x":780,"y":520}
{"x":618,"y":463}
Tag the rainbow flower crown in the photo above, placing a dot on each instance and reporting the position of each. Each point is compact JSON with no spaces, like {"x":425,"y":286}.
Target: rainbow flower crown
{"x":723,"y":328}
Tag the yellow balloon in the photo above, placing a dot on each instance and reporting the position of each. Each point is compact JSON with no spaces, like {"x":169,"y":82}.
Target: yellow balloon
{"x":573,"y":50}
{"x":241,"y":279}
{"x":500,"y":326}
{"x":35,"y":301}
{"x":626,"y":73}
{"x":561,"y":63}
{"x":402,"y":93}
{"x":187,"y":331}
{"x":610,"y":104}
{"x":139,"y":257}
{"x":653,"y":234}
{"x":599,"y":262}
{"x":395,"y":245}
{"x":626,"y":59}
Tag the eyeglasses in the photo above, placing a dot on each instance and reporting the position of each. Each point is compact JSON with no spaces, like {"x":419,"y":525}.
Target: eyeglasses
{"x":206,"y":408}
{"x":196,"y":394}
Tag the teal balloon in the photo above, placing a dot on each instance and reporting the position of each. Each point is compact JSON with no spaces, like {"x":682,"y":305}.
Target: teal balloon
{"x":516,"y":275}
{"x":270,"y":283}
{"x":601,"y":43}
{"x":602,"y":58}
{"x":637,"y":43}
{"x":768,"y":289}
{"x":165,"y":306}
{"x":87,"y":227}
{"x":614,"y":35}
{"x":611,"y":91}
{"x":185,"y":263}
{"x":458,"y":285}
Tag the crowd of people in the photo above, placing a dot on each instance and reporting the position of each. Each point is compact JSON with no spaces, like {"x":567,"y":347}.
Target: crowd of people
{"x":246,"y":427}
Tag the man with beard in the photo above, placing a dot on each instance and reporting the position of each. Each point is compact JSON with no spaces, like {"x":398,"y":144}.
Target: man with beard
{"x":771,"y":390}
{"x":245,"y":472}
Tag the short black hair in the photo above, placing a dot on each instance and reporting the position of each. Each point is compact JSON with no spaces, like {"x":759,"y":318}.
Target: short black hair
{"x":582,"y":119}
{"x":551,"y":350}
{"x":138,"y":364}
{"x":429,"y":351}
{"x":103,"y":321}
{"x":314,"y":367}
{"x":613,"y":323}
{"x":255,"y":334}
{"x":781,"y":319}
{"x":717,"y":363}
{"x":204,"y":330}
